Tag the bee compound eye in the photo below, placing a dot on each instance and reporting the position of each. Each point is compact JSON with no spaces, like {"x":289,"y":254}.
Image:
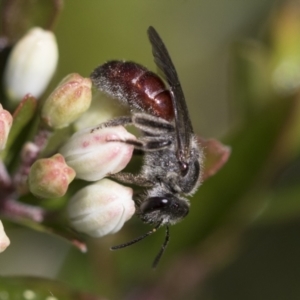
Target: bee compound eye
{"x":184,"y":167}
{"x":154,"y":203}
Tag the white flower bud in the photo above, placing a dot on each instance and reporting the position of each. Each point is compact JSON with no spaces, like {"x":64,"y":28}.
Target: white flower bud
{"x":6,"y":120}
{"x":93,"y":155}
{"x":70,"y":99}
{"x":50,"y":177}
{"x":4,"y":240}
{"x":31,"y":64}
{"x":101,"y":208}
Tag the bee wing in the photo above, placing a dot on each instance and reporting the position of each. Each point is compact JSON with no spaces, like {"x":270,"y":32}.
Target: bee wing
{"x":183,"y":124}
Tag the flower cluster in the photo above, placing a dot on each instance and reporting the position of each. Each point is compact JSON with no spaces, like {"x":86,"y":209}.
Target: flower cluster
{"x":90,"y":154}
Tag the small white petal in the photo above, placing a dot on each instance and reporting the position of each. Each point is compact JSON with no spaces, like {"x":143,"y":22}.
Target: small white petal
{"x":101,"y":208}
{"x":6,"y":120}
{"x":31,"y":64}
{"x":4,"y":240}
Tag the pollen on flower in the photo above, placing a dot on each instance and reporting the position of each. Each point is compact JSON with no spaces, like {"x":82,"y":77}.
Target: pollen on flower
{"x":68,"y":170}
{"x":85,"y":144}
{"x":64,"y":180}
{"x":112,"y":137}
{"x":78,"y":92}
{"x":115,"y":150}
{"x":97,"y":138}
{"x":60,"y":159}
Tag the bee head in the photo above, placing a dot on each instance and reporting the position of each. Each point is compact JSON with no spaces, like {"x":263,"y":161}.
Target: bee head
{"x":166,"y":209}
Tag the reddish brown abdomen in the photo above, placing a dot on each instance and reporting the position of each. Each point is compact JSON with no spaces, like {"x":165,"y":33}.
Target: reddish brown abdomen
{"x":135,"y":86}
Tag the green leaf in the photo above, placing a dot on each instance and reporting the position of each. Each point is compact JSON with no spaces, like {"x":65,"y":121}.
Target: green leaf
{"x":280,"y":205}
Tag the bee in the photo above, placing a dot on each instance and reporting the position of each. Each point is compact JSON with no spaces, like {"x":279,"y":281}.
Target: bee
{"x":172,"y":158}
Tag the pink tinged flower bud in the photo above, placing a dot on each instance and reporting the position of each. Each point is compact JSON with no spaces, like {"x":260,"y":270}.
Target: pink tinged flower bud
{"x":6,"y":120}
{"x":50,"y":177}
{"x":71,"y":98}
{"x":101,"y":208}
{"x":4,"y":240}
{"x":93,"y":155}
{"x":31,"y":64}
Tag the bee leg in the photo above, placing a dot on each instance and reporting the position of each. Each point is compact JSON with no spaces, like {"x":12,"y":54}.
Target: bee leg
{"x":155,"y":143}
{"x":123,"y":121}
{"x":151,"y":124}
{"x":147,"y":143}
{"x":131,"y":178}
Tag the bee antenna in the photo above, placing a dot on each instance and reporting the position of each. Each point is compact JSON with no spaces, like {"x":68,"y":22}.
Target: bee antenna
{"x":136,"y":239}
{"x":162,"y":249}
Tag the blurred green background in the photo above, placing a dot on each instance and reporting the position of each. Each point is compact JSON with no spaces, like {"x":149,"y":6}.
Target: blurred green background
{"x":239,"y":65}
